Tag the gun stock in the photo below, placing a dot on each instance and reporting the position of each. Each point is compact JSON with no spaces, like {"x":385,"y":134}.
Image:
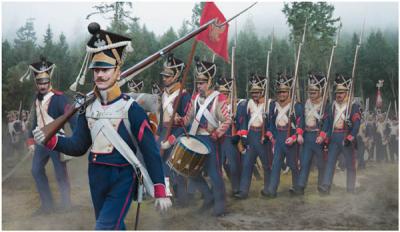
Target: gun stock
{"x":51,"y":129}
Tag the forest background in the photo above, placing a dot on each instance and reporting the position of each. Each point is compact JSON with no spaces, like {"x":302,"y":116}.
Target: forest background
{"x":378,"y":55}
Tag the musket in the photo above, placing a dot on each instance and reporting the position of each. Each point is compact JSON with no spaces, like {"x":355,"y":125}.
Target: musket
{"x":233,"y":87}
{"x":328,"y":74}
{"x":351,"y":94}
{"x":233,"y":98}
{"x":82,"y":101}
{"x":294,"y":82}
{"x":266,"y":89}
{"x":387,"y":112}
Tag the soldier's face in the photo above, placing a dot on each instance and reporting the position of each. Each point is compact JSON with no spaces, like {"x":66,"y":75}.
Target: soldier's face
{"x":43,"y":88}
{"x":168,"y":80}
{"x":314,"y":95}
{"x":283,"y":96}
{"x":104,"y":78}
{"x":256,"y":96}
{"x":340,"y":96}
{"x":202,"y":88}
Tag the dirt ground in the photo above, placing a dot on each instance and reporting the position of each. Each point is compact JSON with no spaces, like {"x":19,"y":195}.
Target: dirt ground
{"x":373,"y":207}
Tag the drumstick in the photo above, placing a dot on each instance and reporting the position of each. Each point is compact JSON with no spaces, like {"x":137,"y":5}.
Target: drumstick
{"x":185,"y":131}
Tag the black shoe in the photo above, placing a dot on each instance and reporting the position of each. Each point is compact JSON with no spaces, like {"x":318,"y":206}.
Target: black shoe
{"x":220,"y":214}
{"x":268,"y":195}
{"x":234,"y":193}
{"x":297,"y":191}
{"x":323,"y":189}
{"x":240,"y":196}
{"x":206,"y":205}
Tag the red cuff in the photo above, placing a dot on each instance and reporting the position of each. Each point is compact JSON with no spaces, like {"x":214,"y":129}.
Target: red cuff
{"x":268,"y":134}
{"x":294,"y":137}
{"x":30,"y":141}
{"x":299,"y":131}
{"x":322,"y":134}
{"x":242,"y":132}
{"x":159,"y":191}
{"x":171,"y":139}
{"x":51,"y":144}
{"x":349,"y":137}
{"x":355,"y":117}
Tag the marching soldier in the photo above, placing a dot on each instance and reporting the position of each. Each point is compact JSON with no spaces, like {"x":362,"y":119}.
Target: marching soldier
{"x":394,"y":139}
{"x":279,"y":124}
{"x":171,"y":78}
{"x":113,"y":126}
{"x":370,"y":130}
{"x":313,"y":136}
{"x":381,"y":138}
{"x":144,"y":100}
{"x":49,"y":105}
{"x":362,"y":141}
{"x":229,"y":152}
{"x":210,"y":119}
{"x":251,"y":133}
{"x":342,"y":133}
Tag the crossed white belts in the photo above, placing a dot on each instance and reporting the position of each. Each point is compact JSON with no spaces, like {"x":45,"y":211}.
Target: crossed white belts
{"x":204,"y":111}
{"x":167,"y":102}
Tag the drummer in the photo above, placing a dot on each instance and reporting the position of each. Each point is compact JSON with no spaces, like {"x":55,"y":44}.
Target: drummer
{"x":171,"y":79}
{"x":206,"y":109}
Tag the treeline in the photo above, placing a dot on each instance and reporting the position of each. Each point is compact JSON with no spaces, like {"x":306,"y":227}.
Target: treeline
{"x":378,"y":55}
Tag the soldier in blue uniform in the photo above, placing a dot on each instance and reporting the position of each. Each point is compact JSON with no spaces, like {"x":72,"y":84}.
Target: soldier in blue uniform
{"x":313,"y":135}
{"x":171,"y":78}
{"x":342,"y":135}
{"x":49,"y":105}
{"x":279,"y":123}
{"x":113,"y":127}
{"x":230,"y":155}
{"x":210,"y":119}
{"x":251,"y":133}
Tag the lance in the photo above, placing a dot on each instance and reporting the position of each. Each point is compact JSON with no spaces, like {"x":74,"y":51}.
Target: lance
{"x":82,"y":101}
{"x":294,"y":82}
{"x":328,"y":74}
{"x":266,"y":89}
{"x":352,"y":84}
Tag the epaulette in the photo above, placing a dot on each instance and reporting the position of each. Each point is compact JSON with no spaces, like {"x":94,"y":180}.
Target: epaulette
{"x":221,"y":97}
{"x":57,"y":92}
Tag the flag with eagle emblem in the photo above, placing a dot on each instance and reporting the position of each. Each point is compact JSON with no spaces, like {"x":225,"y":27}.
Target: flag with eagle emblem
{"x":215,"y":37}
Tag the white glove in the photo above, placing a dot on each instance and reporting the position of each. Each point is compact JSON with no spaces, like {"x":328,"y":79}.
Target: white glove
{"x":162,"y":204}
{"x":165,"y":145}
{"x":31,"y":148}
{"x":38,"y":135}
{"x":168,"y":143}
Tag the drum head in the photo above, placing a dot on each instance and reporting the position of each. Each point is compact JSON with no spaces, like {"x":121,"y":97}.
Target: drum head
{"x":194,"y":144}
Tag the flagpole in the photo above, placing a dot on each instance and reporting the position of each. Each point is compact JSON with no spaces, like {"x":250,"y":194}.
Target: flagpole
{"x":178,"y":98}
{"x":233,"y":17}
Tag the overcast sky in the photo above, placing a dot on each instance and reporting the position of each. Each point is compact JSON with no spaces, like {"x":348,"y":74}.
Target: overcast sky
{"x":69,"y":17}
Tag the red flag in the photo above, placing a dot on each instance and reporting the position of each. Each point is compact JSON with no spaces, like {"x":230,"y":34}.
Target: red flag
{"x":379,"y":100}
{"x":216,"y":38}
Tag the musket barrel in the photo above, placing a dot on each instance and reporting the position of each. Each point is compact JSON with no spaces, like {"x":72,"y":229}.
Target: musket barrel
{"x":52,"y":128}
